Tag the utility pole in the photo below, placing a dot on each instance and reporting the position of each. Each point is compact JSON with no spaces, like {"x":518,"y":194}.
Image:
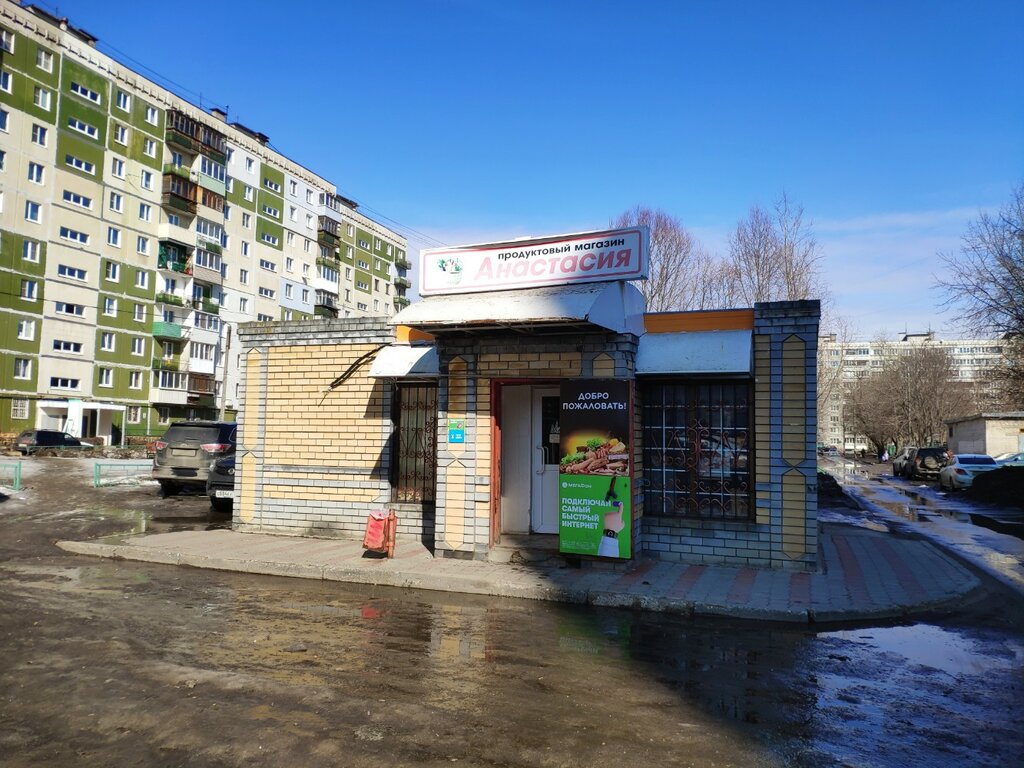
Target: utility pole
{"x":224,"y":385}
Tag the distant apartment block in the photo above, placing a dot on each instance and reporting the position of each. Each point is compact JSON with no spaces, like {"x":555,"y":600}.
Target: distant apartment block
{"x":137,"y":231}
{"x":850,"y":360}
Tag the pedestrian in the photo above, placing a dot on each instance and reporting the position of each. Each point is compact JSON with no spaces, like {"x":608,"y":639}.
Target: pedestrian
{"x":885,"y":456}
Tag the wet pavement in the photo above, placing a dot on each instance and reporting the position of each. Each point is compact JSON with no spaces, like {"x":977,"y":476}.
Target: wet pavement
{"x":109,"y":662}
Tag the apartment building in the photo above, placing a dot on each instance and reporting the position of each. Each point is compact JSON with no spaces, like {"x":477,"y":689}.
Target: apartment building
{"x":137,"y":231}
{"x":844,"y":361}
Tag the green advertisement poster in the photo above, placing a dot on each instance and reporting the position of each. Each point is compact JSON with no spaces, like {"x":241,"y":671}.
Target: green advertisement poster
{"x":594,"y":480}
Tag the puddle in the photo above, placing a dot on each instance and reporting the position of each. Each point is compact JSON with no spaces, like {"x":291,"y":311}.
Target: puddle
{"x":935,"y":647}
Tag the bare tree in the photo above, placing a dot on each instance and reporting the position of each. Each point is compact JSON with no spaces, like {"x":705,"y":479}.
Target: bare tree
{"x":682,"y":273}
{"x":774,"y":256}
{"x":984,"y":280}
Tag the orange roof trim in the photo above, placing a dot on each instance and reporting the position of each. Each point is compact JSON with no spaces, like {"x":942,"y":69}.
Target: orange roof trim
{"x":712,"y":320}
{"x":405,"y":334}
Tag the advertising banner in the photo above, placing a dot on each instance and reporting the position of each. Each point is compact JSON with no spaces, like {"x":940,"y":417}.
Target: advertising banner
{"x":612,"y":254}
{"x":594,"y":478}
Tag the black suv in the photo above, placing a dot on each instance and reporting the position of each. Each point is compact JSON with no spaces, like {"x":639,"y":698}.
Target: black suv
{"x":925,"y":463}
{"x":32,"y":440}
{"x":186,"y":451}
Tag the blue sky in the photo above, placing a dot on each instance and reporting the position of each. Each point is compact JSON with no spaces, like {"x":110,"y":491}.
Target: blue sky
{"x":892,"y":123}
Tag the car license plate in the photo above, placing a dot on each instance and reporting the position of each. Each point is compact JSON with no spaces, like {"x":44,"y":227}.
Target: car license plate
{"x":223,"y":494}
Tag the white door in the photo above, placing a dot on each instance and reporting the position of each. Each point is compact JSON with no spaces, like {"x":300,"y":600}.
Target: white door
{"x":545,"y":439}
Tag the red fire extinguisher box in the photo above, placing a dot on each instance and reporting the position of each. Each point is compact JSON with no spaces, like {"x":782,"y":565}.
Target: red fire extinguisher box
{"x":380,"y":532}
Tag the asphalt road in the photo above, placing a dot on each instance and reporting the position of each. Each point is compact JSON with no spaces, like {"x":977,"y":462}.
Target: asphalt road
{"x":106,"y":663}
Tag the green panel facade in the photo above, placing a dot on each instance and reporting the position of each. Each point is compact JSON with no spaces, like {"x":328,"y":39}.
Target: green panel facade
{"x":236,"y":196}
{"x":9,"y":407}
{"x":265,"y":226}
{"x":71,"y":149}
{"x":74,"y":74}
{"x":74,"y":111}
{"x":12,"y":257}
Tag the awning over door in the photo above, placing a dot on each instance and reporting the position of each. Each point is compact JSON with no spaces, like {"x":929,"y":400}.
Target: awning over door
{"x":402,"y":361}
{"x":704,"y":352}
{"x":615,"y":306}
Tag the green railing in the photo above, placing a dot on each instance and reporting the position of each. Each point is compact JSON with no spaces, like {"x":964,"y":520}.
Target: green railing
{"x":403,"y":263}
{"x":212,"y":247}
{"x":166,"y":330}
{"x":170,"y":298}
{"x":178,"y":170}
{"x":210,"y":306}
{"x":160,"y":364}
{"x":107,"y":473}
{"x":403,"y":282}
{"x":10,"y":475}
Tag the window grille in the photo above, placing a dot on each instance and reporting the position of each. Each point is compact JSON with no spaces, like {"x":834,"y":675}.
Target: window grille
{"x":415,"y":443}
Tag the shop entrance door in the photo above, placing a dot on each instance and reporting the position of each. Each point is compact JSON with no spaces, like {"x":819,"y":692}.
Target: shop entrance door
{"x":545,"y":442}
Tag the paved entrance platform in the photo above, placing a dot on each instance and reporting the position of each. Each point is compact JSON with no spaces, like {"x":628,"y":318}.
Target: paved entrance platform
{"x":864,"y":574}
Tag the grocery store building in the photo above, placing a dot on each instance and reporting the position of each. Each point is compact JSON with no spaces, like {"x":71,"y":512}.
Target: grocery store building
{"x":531,"y":399}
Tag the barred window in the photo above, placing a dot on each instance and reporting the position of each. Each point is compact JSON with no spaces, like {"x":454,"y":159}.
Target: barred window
{"x":696,"y":453}
{"x":19,"y":409}
{"x":415,"y":443}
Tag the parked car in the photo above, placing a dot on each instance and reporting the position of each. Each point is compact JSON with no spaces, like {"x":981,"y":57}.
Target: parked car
{"x":899,"y":462}
{"x":1010,"y":459}
{"x":32,"y":440}
{"x":963,"y":468}
{"x":220,"y":483}
{"x":184,"y":454}
{"x":925,"y":463}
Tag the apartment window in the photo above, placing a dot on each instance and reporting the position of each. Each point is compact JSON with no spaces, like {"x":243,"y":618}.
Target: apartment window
{"x":4,"y":114}
{"x":72,"y":273}
{"x":114,"y":237}
{"x":145,"y":211}
{"x":107,"y":341}
{"x":76,"y":199}
{"x":363,"y":264}
{"x":41,"y":98}
{"x":268,"y":265}
{"x":264,"y":318}
{"x":212,"y":169}
{"x":74,"y":235}
{"x":306,"y":245}
{"x":247,"y":193}
{"x":140,"y":313}
{"x":74,"y":347}
{"x":82,"y":127}
{"x":348,"y":273}
{"x":288,"y":290}
{"x":134,"y":414}
{"x":109,"y":306}
{"x":309,"y":221}
{"x":66,"y":308}
{"x":149,"y":148}
{"x":361,"y":306}
{"x":249,"y":165}
{"x":287,"y":314}
{"x":117,"y":167}
{"x":266,"y":293}
{"x":6,"y":40}
{"x":305,"y":270}
{"x":35,"y":173}
{"x":243,"y":276}
{"x":293,"y":213}
{"x":273,"y":186}
{"x":247,"y":220}
{"x":147,"y":179}
{"x":30,"y":251}
{"x":309,"y":196}
{"x":60,"y":382}
{"x":376,"y":243}
{"x":138,"y":346}
{"x":120,"y":134}
{"x":106,"y":378}
{"x":32,"y":211}
{"x":227,"y":212}
{"x":19,"y":408}
{"x":38,"y":135}
{"x":210,"y":230}
{"x":5,"y":81}
{"x":26,"y":330}
{"x":142,"y":245}
{"x":85,"y":93}
{"x":270,"y":239}
{"x":174,"y":219}
{"x":245,"y":248}
{"x":124,"y":101}
{"x":365,"y":245}
{"x":28,"y":289}
{"x":271,"y":211}
{"x":293,"y":188}
{"x":112,"y":271}
{"x":362,"y":285}
{"x":151,"y":116}
{"x":116,"y":202}
{"x":79,"y":164}
{"x":141,"y":278}
{"x":243,"y":304}
{"x":22,"y":368}
{"x":349,"y":230}
{"x":44,"y":60}
{"x":349,"y":251}
{"x":376,"y":305}
{"x":289,"y":264}
{"x":305,"y":295}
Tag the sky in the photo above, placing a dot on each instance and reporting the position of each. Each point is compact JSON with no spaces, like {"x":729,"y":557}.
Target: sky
{"x":893,"y":124}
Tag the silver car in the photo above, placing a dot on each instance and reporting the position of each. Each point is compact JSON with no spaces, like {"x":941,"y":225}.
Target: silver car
{"x":184,"y":454}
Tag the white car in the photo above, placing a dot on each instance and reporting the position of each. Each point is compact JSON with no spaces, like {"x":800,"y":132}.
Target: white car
{"x":1010,"y":459}
{"x":963,"y":468}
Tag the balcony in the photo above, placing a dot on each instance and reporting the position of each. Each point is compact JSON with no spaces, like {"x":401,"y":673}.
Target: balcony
{"x":161,"y":364}
{"x":173,"y":258}
{"x":180,"y":141}
{"x":179,"y":194}
{"x":202,"y":384}
{"x":328,"y":240}
{"x":206,"y":305}
{"x":332,"y":262}
{"x":402,"y":282}
{"x":402,"y":263}
{"x":165,"y":330}
{"x":178,"y":170}
{"x":326,"y":299}
{"x":170,"y":298}
{"x":401,"y":302}
{"x":322,"y":311}
{"x":212,"y":200}
{"x":191,"y":134}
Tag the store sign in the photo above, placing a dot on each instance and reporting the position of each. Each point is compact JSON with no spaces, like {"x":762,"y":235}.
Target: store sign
{"x":456,"y":431}
{"x":594,"y":480}
{"x":614,"y":254}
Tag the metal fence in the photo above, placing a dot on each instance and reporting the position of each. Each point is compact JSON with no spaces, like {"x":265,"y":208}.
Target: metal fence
{"x":10,"y":475}
{"x":108,"y":472}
